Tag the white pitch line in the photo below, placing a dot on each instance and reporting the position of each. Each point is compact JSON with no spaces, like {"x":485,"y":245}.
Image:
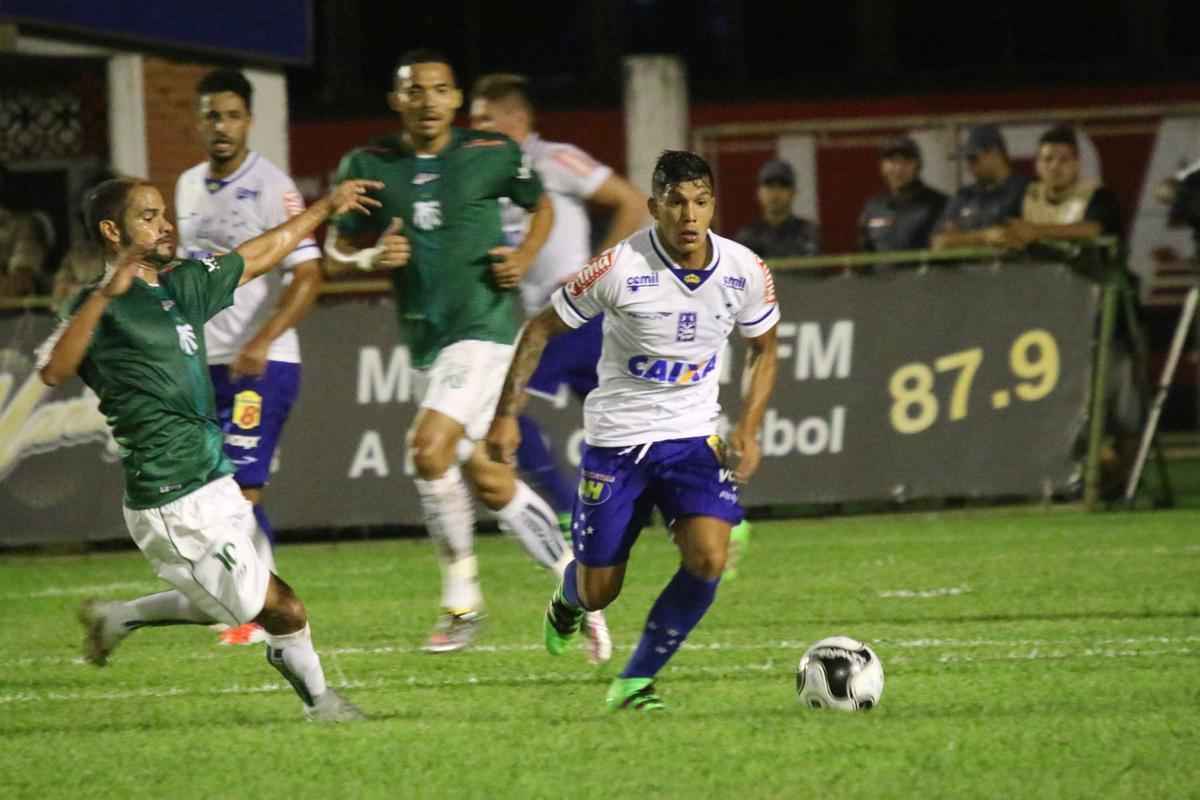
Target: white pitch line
{"x":85,"y":590}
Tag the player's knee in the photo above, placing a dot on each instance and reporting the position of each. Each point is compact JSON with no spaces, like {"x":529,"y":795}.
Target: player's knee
{"x":707,"y":564}
{"x":283,"y":612}
{"x":495,"y":484}
{"x":431,"y":454}
{"x":598,"y":591}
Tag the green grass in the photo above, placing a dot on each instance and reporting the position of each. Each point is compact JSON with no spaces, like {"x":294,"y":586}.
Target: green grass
{"x":1028,"y":654}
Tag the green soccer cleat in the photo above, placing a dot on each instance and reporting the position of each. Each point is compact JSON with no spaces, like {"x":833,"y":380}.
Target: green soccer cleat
{"x":561,"y":623}
{"x":636,"y":694}
{"x":739,"y":544}
{"x":564,"y":524}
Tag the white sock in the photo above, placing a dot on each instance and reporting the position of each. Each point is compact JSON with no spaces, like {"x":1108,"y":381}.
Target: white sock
{"x":262,"y":546}
{"x":293,"y":655}
{"x":162,"y":608}
{"x":449,"y":515}
{"x":534,"y":523}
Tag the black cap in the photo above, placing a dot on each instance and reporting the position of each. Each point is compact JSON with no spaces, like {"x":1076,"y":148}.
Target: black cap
{"x":777,"y":171}
{"x":900,"y":146}
{"x":984,"y":137}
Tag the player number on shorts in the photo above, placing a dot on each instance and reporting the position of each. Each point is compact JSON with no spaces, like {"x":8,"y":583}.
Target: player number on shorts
{"x":227,"y":555}
{"x":1033,"y":358}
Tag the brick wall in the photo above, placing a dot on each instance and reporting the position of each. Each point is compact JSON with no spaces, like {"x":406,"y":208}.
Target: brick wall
{"x":172,"y":143}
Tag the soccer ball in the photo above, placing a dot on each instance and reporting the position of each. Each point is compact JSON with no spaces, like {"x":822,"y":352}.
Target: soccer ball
{"x":840,"y":672}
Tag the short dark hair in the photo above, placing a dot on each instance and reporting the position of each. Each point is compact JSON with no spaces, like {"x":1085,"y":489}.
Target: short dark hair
{"x":108,"y":200}
{"x":422,"y":55}
{"x":504,"y":86}
{"x":227,"y":80}
{"x":1060,"y":134}
{"x":679,"y":166}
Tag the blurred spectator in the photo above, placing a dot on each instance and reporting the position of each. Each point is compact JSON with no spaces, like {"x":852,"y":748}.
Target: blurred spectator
{"x":1181,"y":192}
{"x":1059,"y":204}
{"x":902,"y":218}
{"x":779,"y":233}
{"x":83,"y":263}
{"x":23,"y":246}
{"x":994,"y":198}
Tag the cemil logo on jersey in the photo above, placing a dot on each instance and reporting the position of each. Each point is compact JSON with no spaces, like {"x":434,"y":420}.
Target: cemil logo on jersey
{"x":247,"y":409}
{"x":635,"y":282}
{"x":665,"y":370}
{"x":593,"y":271}
{"x":734,"y":282}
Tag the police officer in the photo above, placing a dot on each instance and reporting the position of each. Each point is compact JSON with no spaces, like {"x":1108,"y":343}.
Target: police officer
{"x":779,"y":233}
{"x":996,"y":196}
{"x":902,"y":218}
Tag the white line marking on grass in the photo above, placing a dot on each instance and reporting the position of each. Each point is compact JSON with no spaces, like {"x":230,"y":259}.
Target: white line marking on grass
{"x":950,"y":591}
{"x":85,"y":590}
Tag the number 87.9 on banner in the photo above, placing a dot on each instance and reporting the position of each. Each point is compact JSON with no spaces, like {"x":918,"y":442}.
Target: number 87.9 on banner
{"x":1032,"y":359}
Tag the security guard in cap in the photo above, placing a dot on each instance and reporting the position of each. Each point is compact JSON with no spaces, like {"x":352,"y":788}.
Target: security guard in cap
{"x":779,"y":233}
{"x":902,"y":218}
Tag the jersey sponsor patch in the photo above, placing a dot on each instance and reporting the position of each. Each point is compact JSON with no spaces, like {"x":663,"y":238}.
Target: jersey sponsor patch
{"x":293,"y":203}
{"x":635,"y":282}
{"x":665,"y":370}
{"x":735,"y":282}
{"x":593,"y":492}
{"x":243,"y":193}
{"x":244,"y":442}
{"x":593,"y":271}
{"x":247,"y":409}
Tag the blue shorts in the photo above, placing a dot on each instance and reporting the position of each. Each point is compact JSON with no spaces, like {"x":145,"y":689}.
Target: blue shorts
{"x":252,"y":412}
{"x":619,"y":486}
{"x":570,"y":358}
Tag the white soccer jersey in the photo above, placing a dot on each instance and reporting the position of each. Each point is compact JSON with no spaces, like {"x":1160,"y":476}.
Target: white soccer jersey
{"x":570,"y":176}
{"x":215,"y":216}
{"x":664,"y":331}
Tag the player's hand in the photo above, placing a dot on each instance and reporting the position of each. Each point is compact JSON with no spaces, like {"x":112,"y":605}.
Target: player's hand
{"x":509,"y":265}
{"x":503,"y":438}
{"x":394,"y":249}
{"x":743,"y":455}
{"x":251,"y":362}
{"x":117,"y":281}
{"x":352,"y":196}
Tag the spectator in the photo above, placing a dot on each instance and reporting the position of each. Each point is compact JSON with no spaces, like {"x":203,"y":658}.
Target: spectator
{"x":780,"y":233}
{"x":22,"y":247}
{"x":902,"y":218}
{"x":1181,"y":192}
{"x":994,"y":198}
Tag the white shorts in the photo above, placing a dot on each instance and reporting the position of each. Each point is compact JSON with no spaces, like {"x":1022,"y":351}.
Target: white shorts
{"x":464,"y":383}
{"x":201,"y":544}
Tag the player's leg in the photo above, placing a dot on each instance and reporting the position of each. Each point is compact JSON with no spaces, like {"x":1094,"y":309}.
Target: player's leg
{"x":700,"y":503}
{"x":537,"y":463}
{"x":107,"y":623}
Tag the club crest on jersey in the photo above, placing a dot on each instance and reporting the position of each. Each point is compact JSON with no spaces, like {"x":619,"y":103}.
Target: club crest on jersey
{"x":168,"y":305}
{"x":685,"y":331}
{"x":635,"y":282}
{"x":211,"y":262}
{"x":665,"y":370}
{"x":247,"y":409}
{"x":734,"y":282}
{"x":593,"y":271}
{"x":692,"y":279}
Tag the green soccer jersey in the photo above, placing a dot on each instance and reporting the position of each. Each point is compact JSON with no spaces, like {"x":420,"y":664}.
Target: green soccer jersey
{"x":147,"y":364}
{"x":450,"y":205}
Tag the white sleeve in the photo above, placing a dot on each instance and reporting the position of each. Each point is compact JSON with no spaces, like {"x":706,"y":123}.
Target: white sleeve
{"x":590,"y":292}
{"x":580,"y":174}
{"x":281,"y":202}
{"x":180,"y":207}
{"x":761,"y":311}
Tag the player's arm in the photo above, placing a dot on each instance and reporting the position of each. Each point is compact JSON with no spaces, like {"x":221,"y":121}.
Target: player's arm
{"x":262,"y":253}
{"x":628,"y":206}
{"x":511,"y":263}
{"x":365,"y":251}
{"x":504,"y":434}
{"x":295,"y":304}
{"x":69,"y":345}
{"x":758,"y":380}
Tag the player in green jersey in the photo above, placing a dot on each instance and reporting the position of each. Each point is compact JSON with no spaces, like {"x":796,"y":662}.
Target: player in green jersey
{"x":438,"y":231}
{"x":137,"y":339}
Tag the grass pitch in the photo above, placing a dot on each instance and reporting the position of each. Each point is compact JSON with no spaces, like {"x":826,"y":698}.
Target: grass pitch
{"x":1028,"y":654}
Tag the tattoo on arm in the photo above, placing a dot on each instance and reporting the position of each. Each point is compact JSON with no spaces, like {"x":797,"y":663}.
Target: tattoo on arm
{"x":529,"y":352}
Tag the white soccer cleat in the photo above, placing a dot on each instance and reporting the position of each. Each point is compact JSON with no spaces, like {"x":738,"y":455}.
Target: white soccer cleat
{"x":599,"y":642}
{"x":100,"y":636}
{"x":454,"y":631}
{"x":332,"y":707}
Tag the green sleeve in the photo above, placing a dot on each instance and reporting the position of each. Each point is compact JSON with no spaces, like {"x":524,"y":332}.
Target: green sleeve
{"x":205,"y":287}
{"x":353,"y":223}
{"x":524,"y":187}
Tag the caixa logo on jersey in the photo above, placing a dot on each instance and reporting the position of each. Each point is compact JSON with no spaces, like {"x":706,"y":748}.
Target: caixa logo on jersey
{"x":664,"y":370}
{"x":635,"y":282}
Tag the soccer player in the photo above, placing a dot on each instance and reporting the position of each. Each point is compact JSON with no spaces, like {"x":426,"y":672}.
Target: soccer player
{"x":137,"y":339}
{"x":671,"y":295}
{"x":253,"y":349}
{"x":455,"y":285}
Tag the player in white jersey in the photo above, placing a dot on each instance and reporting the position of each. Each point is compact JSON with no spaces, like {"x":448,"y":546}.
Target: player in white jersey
{"x":671,"y":295}
{"x":253,"y":349}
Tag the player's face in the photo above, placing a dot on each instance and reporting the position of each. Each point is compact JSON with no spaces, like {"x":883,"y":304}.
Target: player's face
{"x":1058,"y":165}
{"x":224,"y":125}
{"x":898,"y":171}
{"x":775,"y":199}
{"x":145,"y":226}
{"x":501,"y":117}
{"x":426,"y":98}
{"x":683,"y":214}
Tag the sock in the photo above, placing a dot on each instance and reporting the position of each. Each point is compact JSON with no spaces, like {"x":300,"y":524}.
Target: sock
{"x":676,"y":611}
{"x":534,"y":524}
{"x":570,"y":590}
{"x":293,"y":655}
{"x":449,"y":515}
{"x":153,"y":610}
{"x":264,"y":538}
{"x":537,"y":463}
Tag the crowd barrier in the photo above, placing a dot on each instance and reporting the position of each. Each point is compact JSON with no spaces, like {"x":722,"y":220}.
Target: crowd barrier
{"x":943,"y":377}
